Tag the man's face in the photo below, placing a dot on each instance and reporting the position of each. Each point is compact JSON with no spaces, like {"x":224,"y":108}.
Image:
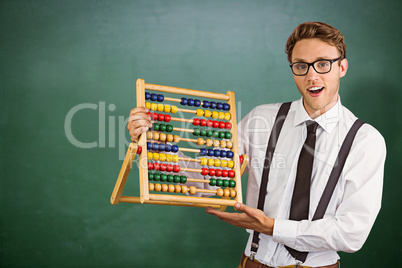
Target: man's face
{"x":319,"y":91}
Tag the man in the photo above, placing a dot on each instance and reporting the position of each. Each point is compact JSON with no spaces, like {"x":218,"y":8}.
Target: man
{"x":317,"y":55}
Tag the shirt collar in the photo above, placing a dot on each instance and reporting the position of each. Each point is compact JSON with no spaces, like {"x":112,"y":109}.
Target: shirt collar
{"x":327,"y":121}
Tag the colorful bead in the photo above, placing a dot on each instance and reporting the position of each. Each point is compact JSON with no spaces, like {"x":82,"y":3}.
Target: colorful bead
{"x":212,"y":182}
{"x":169,"y":168}
{"x":223,"y":144}
{"x":212,"y":105}
{"x":160,"y":98}
{"x":219,"y":192}
{"x":196,"y":122}
{"x":167,"y":118}
{"x":160,"y":107}
{"x":230,"y":164}
{"x":215,"y":124}
{"x":221,"y":115}
{"x":219,"y":106}
{"x":199,"y":112}
{"x":162,"y":137}
{"x":215,"y":114}
{"x":162,"y":147}
{"x":157,"y":177}
{"x":231,"y":174}
{"x":170,"y":178}
{"x":218,"y":172}
{"x":224,"y":153}
{"x":225,"y":183}
{"x":151,"y":186}
{"x":171,"y":188}
{"x":225,"y":173}
{"x":176,"y":138}
{"x":205,"y":104}
{"x":169,"y":128}
{"x":176,"y":168}
{"x":184,"y":189}
{"x":190,"y":102}
{"x":203,"y":161}
{"x":216,"y":143}
{"x":204,"y":171}
{"x":203,"y":151}
{"x":162,"y":157}
{"x":219,"y":182}
{"x":174,"y":109}
{"x":156,"y":156}
{"x":176,"y":178}
{"x":183,"y":179}
{"x":177,"y":189}
{"x":209,"y":143}
{"x":228,"y":135}
{"x":211,"y":172}
{"x":241,"y":159}
{"x":150,"y":176}
{"x":228,"y":125}
{"x":200,"y":141}
{"x":230,"y":154}
{"x":167,"y":108}
{"x":227,"y":116}
{"x":226,"y":107}
{"x":224,"y":163}
{"x":197,"y":103}
{"x":149,"y":155}
{"x":211,"y":162}
{"x":154,"y":97}
{"x":183,"y":101}
{"x":148,"y":105}
{"x":165,"y":187}
{"x":232,"y":183}
{"x":154,"y":106}
{"x":147,"y":95}
{"x":203,"y":122}
{"x":193,"y":190}
{"x":163,"y":167}
{"x":207,"y":113}
{"x":169,"y":137}
{"x":217,"y":163}
{"x":175,"y":149}
{"x":196,"y":132}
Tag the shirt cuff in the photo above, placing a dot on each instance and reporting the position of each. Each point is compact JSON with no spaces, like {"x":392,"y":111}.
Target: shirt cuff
{"x":285,"y":232}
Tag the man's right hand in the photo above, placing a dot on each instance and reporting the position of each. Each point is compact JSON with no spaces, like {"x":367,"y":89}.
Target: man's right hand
{"x":138,"y":122}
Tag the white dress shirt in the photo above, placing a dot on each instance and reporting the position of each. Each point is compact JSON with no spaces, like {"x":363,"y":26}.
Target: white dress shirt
{"x":357,"y":197}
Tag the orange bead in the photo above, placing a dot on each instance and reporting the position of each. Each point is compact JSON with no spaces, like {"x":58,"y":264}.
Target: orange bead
{"x":209,"y":142}
{"x":216,"y":143}
{"x":171,"y":188}
{"x":169,"y":137}
{"x":158,"y":187}
{"x":164,"y":188}
{"x":176,"y":138}
{"x":232,"y":193}
{"x":223,"y":144}
{"x":229,"y":144}
{"x":226,"y":192}
{"x":184,"y":189}
{"x":177,"y":188}
{"x":193,"y":190}
{"x":151,"y":186}
{"x":219,"y":192}
{"x":149,"y":135}
{"x":162,"y":137}
{"x":156,"y":136}
{"x":200,"y":141}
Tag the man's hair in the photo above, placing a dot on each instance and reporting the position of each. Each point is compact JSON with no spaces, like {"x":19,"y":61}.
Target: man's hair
{"x":320,"y":30}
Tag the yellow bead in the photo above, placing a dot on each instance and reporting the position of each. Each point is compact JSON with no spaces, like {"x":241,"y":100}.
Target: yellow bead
{"x":171,"y":188}
{"x":160,"y":107}
{"x":216,"y":143}
{"x":219,"y":192}
{"x":232,"y":193}
{"x":167,"y":108}
{"x":150,"y":155}
{"x":207,"y":113}
{"x":151,"y":186}
{"x":175,"y":158}
{"x":162,"y":137}
{"x":148,"y":105}
{"x":217,"y":163}
{"x":177,"y":188}
{"x":199,"y":112}
{"x":226,"y":192}
{"x":203,"y":162}
{"x":215,"y":114}
{"x":169,"y":158}
{"x":162,"y":157}
{"x":154,"y":106}
{"x":176,"y":138}
{"x":211,"y":162}
{"x":230,"y":164}
{"x":193,"y":190}
{"x":158,"y":187}
{"x":227,"y":116}
{"x":169,"y":137}
{"x":200,"y":141}
{"x":174,"y":109}
{"x":221,"y":115}
{"x":223,"y":144}
{"x":184,"y":189}
{"x":224,"y":163}
{"x":156,"y":156}
{"x":164,"y":187}
{"x":156,"y":136}
{"x":209,"y":142}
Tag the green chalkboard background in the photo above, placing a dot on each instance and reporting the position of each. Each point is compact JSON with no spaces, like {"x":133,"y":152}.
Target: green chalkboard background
{"x":67,"y":80}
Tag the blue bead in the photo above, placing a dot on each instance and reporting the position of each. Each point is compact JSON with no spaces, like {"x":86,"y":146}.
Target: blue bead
{"x":147,"y":95}
{"x":190,"y":102}
{"x":203,"y":151}
{"x":217,"y":153}
{"x":155,"y":146}
{"x":160,"y":97}
{"x":168,"y":148}
{"x":219,"y":106}
{"x":154,"y":97}
{"x":226,"y":107}
{"x":205,"y":104}
{"x":210,"y":152}
{"x":230,"y":154}
{"x":175,"y":148}
{"x":224,"y":153}
{"x":212,"y":104}
{"x":183,"y":101}
{"x":197,"y":103}
{"x":149,"y":145}
{"x":161,"y":147}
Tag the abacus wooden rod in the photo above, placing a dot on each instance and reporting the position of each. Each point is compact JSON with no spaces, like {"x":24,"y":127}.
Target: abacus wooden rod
{"x":184,"y":91}
{"x":134,"y":199}
{"x":192,"y":199}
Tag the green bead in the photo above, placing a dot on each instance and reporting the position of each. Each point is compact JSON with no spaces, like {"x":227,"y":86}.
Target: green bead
{"x":183,"y":179}
{"x":225,"y":183}
{"x":156,"y":126}
{"x":228,"y":135}
{"x":170,"y":178}
{"x":164,"y":177}
{"x":209,"y":133}
{"x":150,"y":176}
{"x":157,"y":177}
{"x":169,"y":128}
{"x":212,"y":182}
{"x":215,"y":134}
{"x":163,"y":127}
{"x":219,"y":182}
{"x":203,"y":132}
{"x":196,"y":132}
{"x":176,"y":179}
{"x":221,"y":135}
{"x":232,"y":183}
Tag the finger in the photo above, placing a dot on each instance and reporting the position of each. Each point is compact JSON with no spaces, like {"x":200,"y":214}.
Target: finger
{"x":139,"y":110}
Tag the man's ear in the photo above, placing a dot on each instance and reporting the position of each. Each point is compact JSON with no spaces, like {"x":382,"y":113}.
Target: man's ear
{"x":343,"y":68}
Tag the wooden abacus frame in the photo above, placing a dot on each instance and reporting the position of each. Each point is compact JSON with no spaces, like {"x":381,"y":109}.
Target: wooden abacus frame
{"x":177,"y":200}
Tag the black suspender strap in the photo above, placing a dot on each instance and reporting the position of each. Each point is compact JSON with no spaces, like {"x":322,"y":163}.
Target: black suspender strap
{"x":273,"y":138}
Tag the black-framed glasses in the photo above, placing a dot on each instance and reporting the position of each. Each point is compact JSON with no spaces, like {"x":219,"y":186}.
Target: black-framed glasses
{"x":320,"y":66}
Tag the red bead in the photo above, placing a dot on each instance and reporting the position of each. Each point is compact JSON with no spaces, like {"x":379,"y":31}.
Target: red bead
{"x":163,"y":167}
{"x":169,"y":168}
{"x":139,"y":149}
{"x":154,"y":116}
{"x":218,"y":173}
{"x":224,"y":173}
{"x":196,"y":121}
{"x":203,"y":122}
{"x":161,"y":117}
{"x":157,"y":166}
{"x":211,"y":172}
{"x":210,"y":123}
{"x":204,"y":171}
{"x":176,"y":168}
{"x":216,"y":124}
{"x":150,"y":166}
{"x":231,"y":173}
{"x":228,"y":125}
{"x":241,"y":159}
{"x":167,"y":118}
{"x":222,"y":124}
{"x":149,"y":113}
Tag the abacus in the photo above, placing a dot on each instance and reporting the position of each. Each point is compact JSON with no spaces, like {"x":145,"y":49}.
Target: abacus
{"x":160,"y":175}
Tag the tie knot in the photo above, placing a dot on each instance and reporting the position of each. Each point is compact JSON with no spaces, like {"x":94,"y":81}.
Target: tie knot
{"x":311,"y":126}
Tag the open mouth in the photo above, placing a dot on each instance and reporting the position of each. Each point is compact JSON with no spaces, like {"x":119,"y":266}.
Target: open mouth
{"x":315,"y":90}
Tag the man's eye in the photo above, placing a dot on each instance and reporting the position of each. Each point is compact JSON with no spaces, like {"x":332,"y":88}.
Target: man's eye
{"x":301,"y":66}
{"x":323,"y":64}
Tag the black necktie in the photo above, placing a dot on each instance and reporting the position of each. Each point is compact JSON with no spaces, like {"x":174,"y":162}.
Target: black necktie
{"x":301,"y":194}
